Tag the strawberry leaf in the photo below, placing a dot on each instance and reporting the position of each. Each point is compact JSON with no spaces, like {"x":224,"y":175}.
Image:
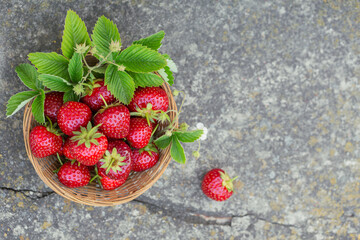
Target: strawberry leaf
{"x":19,"y":100}
{"x":120,"y":84}
{"x":153,"y":41}
{"x":163,"y":141}
{"x":55,"y":83}
{"x":74,"y":33}
{"x":141,"y":59}
{"x":76,"y":68}
{"x":166,"y":74}
{"x":177,"y":151}
{"x":190,"y":136}
{"x":50,"y":63}
{"x":37,"y":107}
{"x":28,"y":75}
{"x":105,"y":31}
{"x":146,"y":79}
{"x":70,"y":96}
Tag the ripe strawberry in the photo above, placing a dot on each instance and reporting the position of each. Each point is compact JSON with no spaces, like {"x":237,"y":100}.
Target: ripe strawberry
{"x":72,"y":116}
{"x":53,"y":102}
{"x":217,"y":185}
{"x":154,"y":95}
{"x":114,"y":120}
{"x":110,"y":184}
{"x":61,"y":150}
{"x":139,"y":133}
{"x":44,"y":141}
{"x":145,"y":158}
{"x":94,"y":101}
{"x":67,"y":149}
{"x":90,"y":145}
{"x":116,"y":163}
{"x":73,"y":175}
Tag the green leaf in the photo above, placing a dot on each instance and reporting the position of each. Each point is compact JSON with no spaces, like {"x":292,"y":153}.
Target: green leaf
{"x":37,"y":107}
{"x":120,"y":84}
{"x":190,"y":136}
{"x":55,"y":83}
{"x":104,"y":32}
{"x":76,"y":68}
{"x":138,"y":58}
{"x":146,"y":79}
{"x":70,"y":96}
{"x":153,"y":41}
{"x":28,"y":75}
{"x":50,"y":63}
{"x":101,"y":69}
{"x":166,"y":74}
{"x":177,"y":151}
{"x":75,"y":32}
{"x":19,"y":100}
{"x":172,"y":66}
{"x":163,"y":141}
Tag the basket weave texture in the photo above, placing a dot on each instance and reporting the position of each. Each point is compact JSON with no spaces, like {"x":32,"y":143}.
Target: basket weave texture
{"x":92,"y":194}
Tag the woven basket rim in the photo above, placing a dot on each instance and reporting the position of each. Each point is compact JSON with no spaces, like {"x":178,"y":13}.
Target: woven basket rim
{"x":78,"y":195}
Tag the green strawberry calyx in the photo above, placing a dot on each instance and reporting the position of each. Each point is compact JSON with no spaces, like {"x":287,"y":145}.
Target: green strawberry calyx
{"x":150,"y":148}
{"x":227,"y":181}
{"x":52,"y":127}
{"x":87,"y":135}
{"x":150,"y":114}
{"x":112,"y":161}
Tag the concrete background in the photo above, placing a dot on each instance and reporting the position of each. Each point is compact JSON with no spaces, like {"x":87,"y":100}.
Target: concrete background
{"x":275,"y":82}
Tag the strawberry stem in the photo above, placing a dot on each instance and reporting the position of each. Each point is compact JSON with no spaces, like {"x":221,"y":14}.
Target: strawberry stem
{"x":58,"y":157}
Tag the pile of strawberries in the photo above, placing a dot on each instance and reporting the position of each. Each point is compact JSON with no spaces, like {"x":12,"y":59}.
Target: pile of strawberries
{"x":100,"y":134}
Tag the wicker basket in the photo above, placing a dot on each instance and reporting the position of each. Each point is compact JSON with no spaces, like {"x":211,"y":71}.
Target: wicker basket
{"x":136,"y":184}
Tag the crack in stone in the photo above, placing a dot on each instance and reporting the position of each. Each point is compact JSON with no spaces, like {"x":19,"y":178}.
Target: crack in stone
{"x":29,"y":193}
{"x":198,"y":218}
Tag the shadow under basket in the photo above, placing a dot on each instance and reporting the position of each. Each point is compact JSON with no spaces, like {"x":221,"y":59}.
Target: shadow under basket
{"x":92,"y":194}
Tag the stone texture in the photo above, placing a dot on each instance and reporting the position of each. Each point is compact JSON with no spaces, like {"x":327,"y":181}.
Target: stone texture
{"x":275,"y":82}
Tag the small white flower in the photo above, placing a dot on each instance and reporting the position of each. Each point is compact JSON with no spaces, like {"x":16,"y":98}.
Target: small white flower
{"x":205,"y":130}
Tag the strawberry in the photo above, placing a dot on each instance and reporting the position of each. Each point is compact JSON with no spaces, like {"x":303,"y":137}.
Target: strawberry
{"x":139,"y":133}
{"x":73,"y":175}
{"x":67,"y":146}
{"x":217,"y":185}
{"x":110,"y":184}
{"x":53,"y":102}
{"x":44,"y":141}
{"x":94,"y":100}
{"x":150,"y":103}
{"x":72,"y":116}
{"x":154,"y":95}
{"x":61,"y":150}
{"x":116,"y":163}
{"x":114,"y":120}
{"x":145,"y":158}
{"x":90,"y":145}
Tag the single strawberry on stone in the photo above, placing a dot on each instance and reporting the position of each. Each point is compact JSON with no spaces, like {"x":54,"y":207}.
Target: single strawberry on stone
{"x":139,"y":133}
{"x":73,"y":175}
{"x":52,"y":105}
{"x":94,"y":100}
{"x":72,"y":116}
{"x":116,"y":163}
{"x":45,"y":140}
{"x":217,"y":185}
{"x":90,"y":145}
{"x":145,"y":158}
{"x":114,"y":120}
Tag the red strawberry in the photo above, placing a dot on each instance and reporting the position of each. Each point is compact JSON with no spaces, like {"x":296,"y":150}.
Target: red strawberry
{"x":217,"y":185}
{"x":110,"y":184}
{"x":145,"y":158}
{"x":154,"y":95}
{"x":73,"y":175}
{"x":116,"y":163}
{"x":90,"y":145}
{"x":114,"y":120}
{"x":67,"y":148}
{"x":94,"y":101}
{"x":44,"y":141}
{"x":139,"y":133}
{"x":72,"y":116}
{"x":61,"y":150}
{"x":53,"y":102}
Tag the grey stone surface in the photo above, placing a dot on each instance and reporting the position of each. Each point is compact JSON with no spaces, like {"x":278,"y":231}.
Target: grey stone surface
{"x":275,"y":82}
